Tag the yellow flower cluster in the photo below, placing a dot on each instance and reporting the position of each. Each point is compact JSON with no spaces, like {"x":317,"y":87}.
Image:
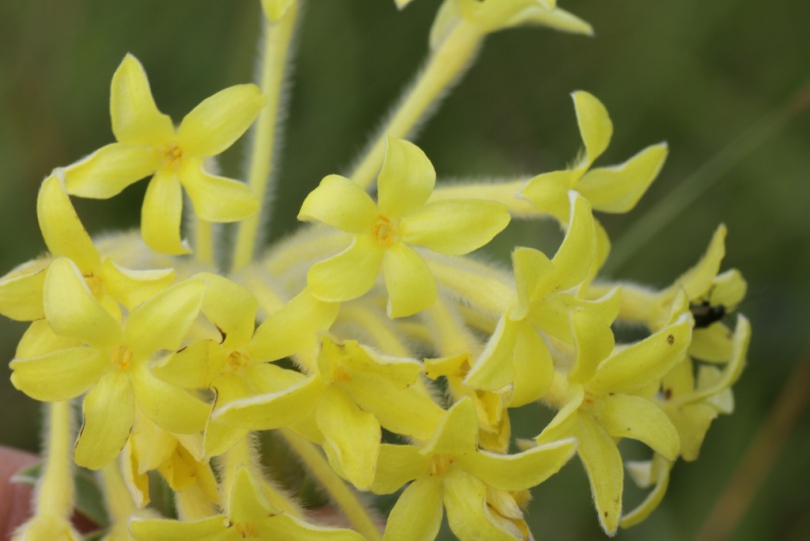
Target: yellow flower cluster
{"x":406,"y":353}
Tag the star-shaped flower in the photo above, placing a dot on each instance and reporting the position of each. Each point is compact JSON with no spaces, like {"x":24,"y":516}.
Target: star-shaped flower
{"x":148,"y":144}
{"x":384,"y":232}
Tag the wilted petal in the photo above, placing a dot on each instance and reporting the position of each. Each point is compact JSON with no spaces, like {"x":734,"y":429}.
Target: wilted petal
{"x":135,"y":117}
{"x":617,"y":189}
{"x":72,"y":310}
{"x":109,"y":412}
{"x":60,"y":375}
{"x":216,"y":199}
{"x":341,"y":203}
{"x":410,"y":284}
{"x":594,"y":124}
{"x":348,"y":275}
{"x":456,"y":226}
{"x":110,"y":169}
{"x":218,"y":121}
{"x":169,"y":407}
{"x":161,"y":214}
{"x":406,"y":180}
{"x":635,"y":417}
{"x":352,"y":436}
{"x":603,"y":464}
{"x":417,"y":513}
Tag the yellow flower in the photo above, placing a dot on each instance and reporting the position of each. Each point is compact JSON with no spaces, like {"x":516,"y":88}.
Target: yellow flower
{"x":384,"y":232}
{"x":148,"y":144}
{"x":451,"y":473}
{"x":613,"y":189}
{"x":249,"y":516}
{"x":354,"y":393}
{"x":607,"y":396}
{"x":109,"y":360}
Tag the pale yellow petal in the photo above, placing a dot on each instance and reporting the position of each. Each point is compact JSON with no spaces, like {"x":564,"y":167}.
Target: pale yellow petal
{"x":406,"y":180}
{"x":712,"y":344}
{"x":467,"y":512}
{"x":617,"y":189}
{"x":417,"y":513}
{"x":61,"y":228}
{"x":494,"y":369}
{"x":131,"y":287}
{"x":455,"y":227}
{"x":215,"y":198}
{"x":169,"y":407}
{"x":348,"y":275}
{"x":534,"y":369}
{"x":21,"y":293}
{"x":209,"y":529}
{"x":397,"y":465}
{"x":218,"y":121}
{"x":574,"y":258}
{"x":595,"y":125}
{"x":410,"y":284}
{"x":163,"y":321}
{"x":135,"y":117}
{"x":231,"y":308}
{"x":341,"y":203}
{"x":635,"y":417}
{"x":60,"y":375}
{"x":697,"y":281}
{"x":603,"y":464}
{"x":549,"y":192}
{"x":458,"y":432}
{"x":109,"y":412}
{"x":72,"y":310}
{"x":110,"y":169}
{"x":162,"y":213}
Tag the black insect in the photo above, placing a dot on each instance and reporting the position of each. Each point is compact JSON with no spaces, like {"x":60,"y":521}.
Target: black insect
{"x":705,"y":313}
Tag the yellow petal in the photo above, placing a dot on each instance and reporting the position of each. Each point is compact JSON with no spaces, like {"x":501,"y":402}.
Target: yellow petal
{"x":520,"y":471}
{"x":594,"y":122}
{"x":558,"y":19}
{"x":455,"y":227}
{"x":494,"y":369}
{"x":109,"y":411}
{"x":110,"y":169}
{"x":351,"y":436}
{"x":269,"y":411}
{"x":417,"y":513}
{"x":231,"y":308}
{"x":21,"y":292}
{"x":397,"y":465}
{"x":149,"y":444}
{"x":293,"y":328}
{"x":728,"y":289}
{"x":218,"y":121}
{"x":406,"y":180}
{"x":603,"y":464}
{"x":574,"y":258}
{"x":341,"y":203}
{"x":286,"y":526}
{"x":698,"y":280}
{"x":549,"y":192}
{"x":39,"y":339}
{"x":534,"y":369}
{"x":617,"y":189}
{"x":594,"y":342}
{"x":217,"y":199}
{"x":467,"y":510}
{"x":193,"y":367}
{"x":169,"y":407}
{"x":73,"y":311}
{"x":61,"y":228}
{"x":163,"y":321}
{"x":60,"y":375}
{"x":348,"y":275}
{"x":712,"y":344}
{"x":135,"y":117}
{"x":208,"y":529}
{"x":161,"y":214}
{"x":276,"y":9}
{"x":635,"y":417}
{"x":458,"y":432}
{"x":660,"y":476}
{"x":131,"y":287}
{"x":410,"y":284}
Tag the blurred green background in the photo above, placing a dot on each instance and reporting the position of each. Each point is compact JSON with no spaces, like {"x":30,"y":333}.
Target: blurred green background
{"x":697,"y":74}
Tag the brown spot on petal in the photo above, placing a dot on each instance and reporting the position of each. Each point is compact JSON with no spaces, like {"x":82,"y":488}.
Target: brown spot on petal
{"x":670,"y":340}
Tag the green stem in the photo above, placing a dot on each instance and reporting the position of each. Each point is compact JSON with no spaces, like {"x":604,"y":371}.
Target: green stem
{"x":342,"y":495}
{"x":444,"y":67}
{"x":277,"y":38}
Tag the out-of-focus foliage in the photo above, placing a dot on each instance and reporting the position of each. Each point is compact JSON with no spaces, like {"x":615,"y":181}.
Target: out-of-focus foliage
{"x":697,"y":74}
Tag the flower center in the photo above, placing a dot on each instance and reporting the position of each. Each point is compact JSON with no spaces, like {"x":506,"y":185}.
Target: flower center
{"x":385,"y":230}
{"x":122,"y":357}
{"x":171,"y":155}
{"x":246,"y":529}
{"x":236,"y":361}
{"x":440,"y":464}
